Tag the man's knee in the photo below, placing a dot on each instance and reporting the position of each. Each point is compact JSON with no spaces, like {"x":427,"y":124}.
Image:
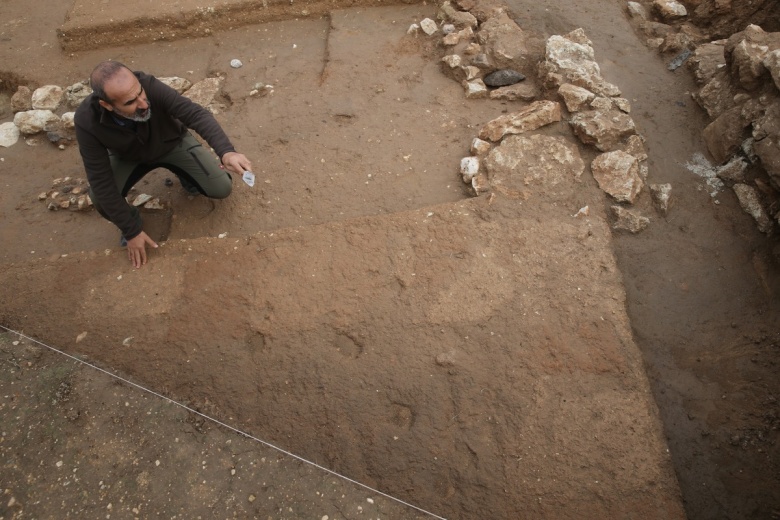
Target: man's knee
{"x":221,"y":189}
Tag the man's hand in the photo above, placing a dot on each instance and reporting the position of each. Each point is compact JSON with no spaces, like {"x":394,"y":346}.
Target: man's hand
{"x":236,"y":162}
{"x":136,"y":249}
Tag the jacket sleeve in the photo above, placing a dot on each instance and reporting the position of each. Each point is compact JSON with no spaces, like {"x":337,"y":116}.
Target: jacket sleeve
{"x":191,"y":114}
{"x":101,"y":180}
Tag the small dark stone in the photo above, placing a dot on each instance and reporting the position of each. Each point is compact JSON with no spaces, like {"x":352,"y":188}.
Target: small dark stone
{"x":169,"y":182}
{"x":503,"y":78}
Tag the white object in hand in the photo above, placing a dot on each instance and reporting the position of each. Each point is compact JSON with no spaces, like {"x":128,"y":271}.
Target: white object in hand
{"x":249,"y":178}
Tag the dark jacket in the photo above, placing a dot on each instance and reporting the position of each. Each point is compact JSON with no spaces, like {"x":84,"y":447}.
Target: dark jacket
{"x":98,"y":133}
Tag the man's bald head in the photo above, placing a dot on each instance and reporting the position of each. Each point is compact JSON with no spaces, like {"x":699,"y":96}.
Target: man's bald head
{"x":103,"y":72}
{"x":119,"y":91}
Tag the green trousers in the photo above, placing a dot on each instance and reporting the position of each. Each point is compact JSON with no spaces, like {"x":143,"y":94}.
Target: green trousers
{"x":197,"y":169}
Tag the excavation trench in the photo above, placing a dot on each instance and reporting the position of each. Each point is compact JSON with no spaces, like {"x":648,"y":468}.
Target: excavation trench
{"x":471,"y":356}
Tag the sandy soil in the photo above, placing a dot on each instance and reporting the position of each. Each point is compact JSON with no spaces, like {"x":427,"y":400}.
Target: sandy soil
{"x":362,"y":131}
{"x":79,"y":444}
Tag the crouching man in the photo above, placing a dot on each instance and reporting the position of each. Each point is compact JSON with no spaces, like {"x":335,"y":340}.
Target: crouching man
{"x":131,"y":124}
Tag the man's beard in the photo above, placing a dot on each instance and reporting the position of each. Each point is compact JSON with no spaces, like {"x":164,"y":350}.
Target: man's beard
{"x":138,"y":118}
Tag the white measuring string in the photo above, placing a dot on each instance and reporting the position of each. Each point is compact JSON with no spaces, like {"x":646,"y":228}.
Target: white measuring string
{"x":220,"y":423}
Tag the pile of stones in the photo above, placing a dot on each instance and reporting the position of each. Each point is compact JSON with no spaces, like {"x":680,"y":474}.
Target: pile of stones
{"x":48,"y":109}
{"x":739,"y":88}
{"x":67,"y":193}
{"x":559,"y":79}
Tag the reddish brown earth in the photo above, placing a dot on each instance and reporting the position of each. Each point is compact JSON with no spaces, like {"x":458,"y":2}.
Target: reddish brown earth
{"x":474,"y":358}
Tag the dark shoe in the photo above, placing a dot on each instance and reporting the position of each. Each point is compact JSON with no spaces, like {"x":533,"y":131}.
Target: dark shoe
{"x":188,"y":187}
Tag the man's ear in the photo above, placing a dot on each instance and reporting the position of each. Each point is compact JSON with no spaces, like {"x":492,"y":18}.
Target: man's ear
{"x":105,"y":105}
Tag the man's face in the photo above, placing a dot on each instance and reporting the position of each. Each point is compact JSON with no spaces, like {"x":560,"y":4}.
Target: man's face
{"x":127,"y":96}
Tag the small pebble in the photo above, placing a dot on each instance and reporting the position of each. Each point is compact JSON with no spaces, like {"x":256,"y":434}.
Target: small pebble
{"x":236,"y":64}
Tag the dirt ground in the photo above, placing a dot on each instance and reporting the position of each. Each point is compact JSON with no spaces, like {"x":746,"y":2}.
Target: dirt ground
{"x":366,"y":313}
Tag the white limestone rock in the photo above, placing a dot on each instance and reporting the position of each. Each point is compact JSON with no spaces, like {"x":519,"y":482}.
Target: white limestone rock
{"x":67,"y":120}
{"x":451,"y":39}
{"x":617,"y":174}
{"x":9,"y":134}
{"x":661,"y":194}
{"x":479,"y":147}
{"x":628,"y":220}
{"x":747,"y":63}
{"x":466,"y":34}
{"x":48,"y":97}
{"x":571,"y":59}
{"x":519,"y":91}
{"x":635,"y":145}
{"x":471,"y":72}
{"x":506,"y":44}
{"x":206,"y":92}
{"x":522,"y":162}
{"x":734,"y":170}
{"x":142,"y":199}
{"x":637,"y":11}
{"x":605,"y":129}
{"x":669,"y":10}
{"x":428,"y":26}
{"x":751,"y":203}
{"x":180,"y":85}
{"x":469,"y":168}
{"x":458,"y":18}
{"x":472,"y":49}
{"x":34,"y":121}
{"x":622,"y":104}
{"x":77,"y":93}
{"x":475,"y":89}
{"x":480,"y":184}
{"x":535,"y":115}
{"x":453,"y":61}
{"x":576,"y":98}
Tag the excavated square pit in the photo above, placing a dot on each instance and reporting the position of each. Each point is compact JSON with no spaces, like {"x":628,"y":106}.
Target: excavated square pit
{"x":470,"y":356}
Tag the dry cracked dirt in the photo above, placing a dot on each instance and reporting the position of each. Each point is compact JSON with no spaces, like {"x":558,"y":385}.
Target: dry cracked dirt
{"x":476,"y":357}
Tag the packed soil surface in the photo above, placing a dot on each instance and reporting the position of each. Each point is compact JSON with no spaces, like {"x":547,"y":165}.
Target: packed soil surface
{"x":475,"y":357}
